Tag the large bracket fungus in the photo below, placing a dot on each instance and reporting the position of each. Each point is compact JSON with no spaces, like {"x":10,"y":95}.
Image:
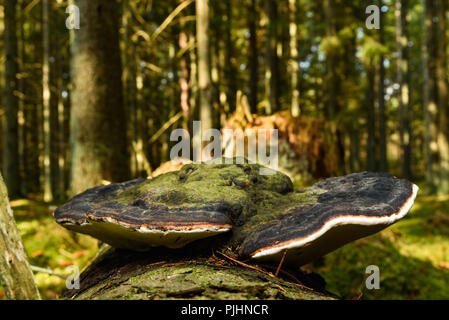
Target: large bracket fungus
{"x":265,"y":218}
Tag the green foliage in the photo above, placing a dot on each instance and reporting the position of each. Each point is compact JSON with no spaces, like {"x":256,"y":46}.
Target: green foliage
{"x":372,"y":50}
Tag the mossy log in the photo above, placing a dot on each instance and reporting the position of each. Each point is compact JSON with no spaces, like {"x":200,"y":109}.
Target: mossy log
{"x":182,"y":221}
{"x":188,"y":274}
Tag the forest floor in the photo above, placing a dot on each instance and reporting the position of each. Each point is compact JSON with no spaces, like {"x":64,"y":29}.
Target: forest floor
{"x":412,"y":255}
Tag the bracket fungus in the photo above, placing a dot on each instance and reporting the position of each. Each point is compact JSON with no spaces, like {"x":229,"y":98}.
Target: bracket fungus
{"x":263,"y":216}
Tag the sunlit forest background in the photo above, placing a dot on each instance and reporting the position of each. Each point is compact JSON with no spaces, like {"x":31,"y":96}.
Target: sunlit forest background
{"x":89,"y":106}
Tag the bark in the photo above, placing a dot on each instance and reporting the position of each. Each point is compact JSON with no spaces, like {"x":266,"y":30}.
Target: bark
{"x":15,"y":272}
{"x":188,"y":274}
{"x":98,"y":122}
{"x":11,"y":139}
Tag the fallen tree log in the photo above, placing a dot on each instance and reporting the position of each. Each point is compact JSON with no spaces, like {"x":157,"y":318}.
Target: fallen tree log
{"x":188,"y":274}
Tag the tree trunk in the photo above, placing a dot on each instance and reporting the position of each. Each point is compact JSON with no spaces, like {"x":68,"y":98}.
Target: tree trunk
{"x":21,"y":92}
{"x":204,"y":73}
{"x":46,"y":95}
{"x":271,"y":63}
{"x":230,"y":57}
{"x":183,"y":43}
{"x":429,"y":57}
{"x":443,"y":107}
{"x":98,"y":123}
{"x":383,"y":161}
{"x":130,"y":88}
{"x":30,"y":134}
{"x":181,"y":274}
{"x":370,"y":146}
{"x":10,"y":125}
{"x":403,"y":79}
{"x":294,"y":63}
{"x":193,"y":81}
{"x":331,"y":81}
{"x":15,"y":272}
{"x":253,"y":56}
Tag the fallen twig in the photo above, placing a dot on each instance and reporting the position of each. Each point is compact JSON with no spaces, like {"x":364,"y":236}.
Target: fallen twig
{"x":246,"y":265}
{"x":48,"y":271}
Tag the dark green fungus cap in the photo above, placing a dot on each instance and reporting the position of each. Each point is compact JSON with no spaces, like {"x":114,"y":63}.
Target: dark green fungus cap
{"x":262,"y":212}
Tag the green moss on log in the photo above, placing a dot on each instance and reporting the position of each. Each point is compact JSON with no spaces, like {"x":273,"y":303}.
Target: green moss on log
{"x":119,"y":274}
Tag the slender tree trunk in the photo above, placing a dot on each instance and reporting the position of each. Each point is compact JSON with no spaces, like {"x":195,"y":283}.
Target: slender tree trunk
{"x":271,"y":65}
{"x":11,"y":167}
{"x":50,"y":108}
{"x":130,"y":76}
{"x":370,"y":147}
{"x":355,"y":148}
{"x":430,"y":95}
{"x":403,"y":79}
{"x":230,"y":57}
{"x":294,"y":63}
{"x":60,"y":188}
{"x":98,"y":123}
{"x":331,"y":85}
{"x":253,"y":56}
{"x":204,"y":73}
{"x":46,"y":97}
{"x":206,"y":113}
{"x":426,"y":22}
{"x":193,"y":79}
{"x":31,"y":104}
{"x":443,"y":107}
{"x":15,"y":272}
{"x":383,"y":161}
{"x":21,"y":93}
{"x":183,"y":43}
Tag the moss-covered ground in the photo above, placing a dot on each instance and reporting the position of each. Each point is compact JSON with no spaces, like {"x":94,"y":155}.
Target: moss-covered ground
{"x":412,"y":255}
